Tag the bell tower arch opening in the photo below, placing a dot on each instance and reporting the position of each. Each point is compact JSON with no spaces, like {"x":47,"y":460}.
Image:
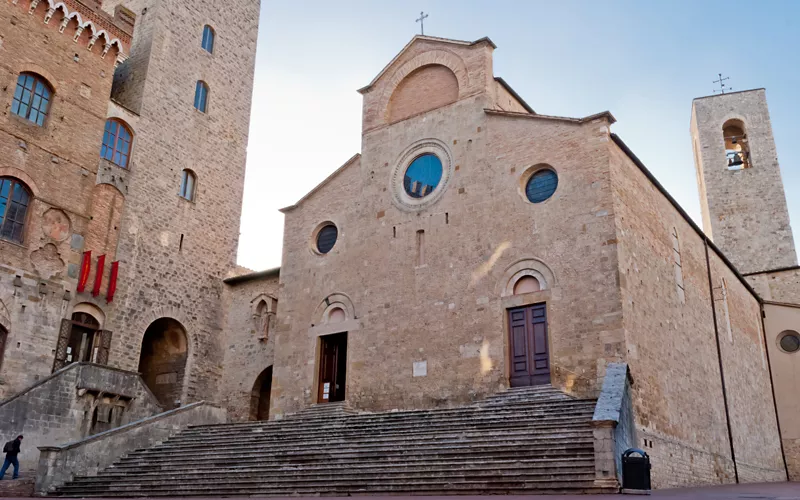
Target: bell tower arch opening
{"x":737,"y":151}
{"x":162,"y":362}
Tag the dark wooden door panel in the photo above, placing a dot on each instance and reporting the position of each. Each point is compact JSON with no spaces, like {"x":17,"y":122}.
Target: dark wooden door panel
{"x":530,"y":359}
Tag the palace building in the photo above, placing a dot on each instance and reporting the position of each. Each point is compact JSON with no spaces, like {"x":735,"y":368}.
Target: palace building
{"x":472,"y":246}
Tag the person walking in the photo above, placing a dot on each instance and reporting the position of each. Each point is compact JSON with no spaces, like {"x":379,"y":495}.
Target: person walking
{"x":11,"y":449}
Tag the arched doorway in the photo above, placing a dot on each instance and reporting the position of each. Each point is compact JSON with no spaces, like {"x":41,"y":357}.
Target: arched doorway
{"x":259,"y":396}
{"x":163,"y":360}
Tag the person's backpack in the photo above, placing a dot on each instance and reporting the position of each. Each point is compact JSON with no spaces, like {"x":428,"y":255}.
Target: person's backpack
{"x":9,"y":446}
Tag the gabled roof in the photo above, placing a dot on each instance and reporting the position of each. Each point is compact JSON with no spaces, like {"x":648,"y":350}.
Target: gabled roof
{"x":323,"y":183}
{"x":428,"y":38}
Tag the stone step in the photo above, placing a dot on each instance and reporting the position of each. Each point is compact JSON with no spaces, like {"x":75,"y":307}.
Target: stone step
{"x":261,"y":469}
{"x":559,"y":406}
{"x":332,"y":437}
{"x":345,"y":460}
{"x":398,"y":483}
{"x":520,"y":443}
{"x":377,"y":474}
{"x":473,"y":489}
{"x":351,"y":425}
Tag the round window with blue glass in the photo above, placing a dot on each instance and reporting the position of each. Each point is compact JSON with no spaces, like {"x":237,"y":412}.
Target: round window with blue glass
{"x":541,"y":186}
{"x":422,"y":176}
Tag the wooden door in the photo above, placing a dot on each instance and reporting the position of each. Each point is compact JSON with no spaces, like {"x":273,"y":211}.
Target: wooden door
{"x":530,"y":359}
{"x":332,"y":368}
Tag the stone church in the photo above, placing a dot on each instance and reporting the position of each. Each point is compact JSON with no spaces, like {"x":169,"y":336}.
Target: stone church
{"x":472,"y":246}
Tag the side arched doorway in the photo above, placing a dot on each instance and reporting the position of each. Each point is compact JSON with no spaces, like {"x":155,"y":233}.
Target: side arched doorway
{"x":259,"y":396}
{"x":163,"y":360}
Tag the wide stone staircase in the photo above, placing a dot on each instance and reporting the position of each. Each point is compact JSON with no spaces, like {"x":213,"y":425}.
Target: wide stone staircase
{"x":523,"y":441}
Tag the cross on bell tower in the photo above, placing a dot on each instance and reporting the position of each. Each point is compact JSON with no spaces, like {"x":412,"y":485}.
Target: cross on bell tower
{"x":421,"y":22}
{"x":721,"y":82}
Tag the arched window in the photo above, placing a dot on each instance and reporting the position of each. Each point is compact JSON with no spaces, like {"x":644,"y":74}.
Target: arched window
{"x":208,"y":39}
{"x":32,"y":98}
{"x":188,"y":182}
{"x":737,"y":149}
{"x":201,"y":96}
{"x":116,"y":143}
{"x":14,"y":201}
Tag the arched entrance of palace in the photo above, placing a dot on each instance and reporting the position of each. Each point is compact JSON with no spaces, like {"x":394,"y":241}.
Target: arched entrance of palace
{"x":259,"y":396}
{"x":163,"y":360}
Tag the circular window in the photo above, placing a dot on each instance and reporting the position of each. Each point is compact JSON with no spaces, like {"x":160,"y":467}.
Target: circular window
{"x":541,"y":186}
{"x":326,"y":238}
{"x":790,"y":341}
{"x":422,"y":176}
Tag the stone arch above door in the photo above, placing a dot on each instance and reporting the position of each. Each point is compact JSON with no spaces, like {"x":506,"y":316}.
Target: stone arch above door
{"x":526,"y":267}
{"x":322,"y":314}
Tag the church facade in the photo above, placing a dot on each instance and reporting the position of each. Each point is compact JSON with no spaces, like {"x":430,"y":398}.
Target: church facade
{"x":474,"y":245}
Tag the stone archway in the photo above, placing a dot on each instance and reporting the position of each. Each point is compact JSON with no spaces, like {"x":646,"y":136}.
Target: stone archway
{"x":163,"y":360}
{"x":259,"y":396}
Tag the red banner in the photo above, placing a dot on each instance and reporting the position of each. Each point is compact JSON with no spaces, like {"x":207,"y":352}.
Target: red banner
{"x":98,"y":278}
{"x":112,"y":283}
{"x":86,"y":265}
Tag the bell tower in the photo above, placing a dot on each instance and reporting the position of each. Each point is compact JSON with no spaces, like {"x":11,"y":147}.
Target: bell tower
{"x":741,"y":191}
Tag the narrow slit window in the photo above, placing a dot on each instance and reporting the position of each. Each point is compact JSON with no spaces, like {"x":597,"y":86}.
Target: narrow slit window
{"x":208,"y":39}
{"x":201,"y":96}
{"x":188,"y":182}
{"x":420,"y":247}
{"x":678,"y":265}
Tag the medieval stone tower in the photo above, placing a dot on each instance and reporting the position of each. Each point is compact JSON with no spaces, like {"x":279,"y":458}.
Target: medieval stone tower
{"x":186,"y":89}
{"x":741,"y":191}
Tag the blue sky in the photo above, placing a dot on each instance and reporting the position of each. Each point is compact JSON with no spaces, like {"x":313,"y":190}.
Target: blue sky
{"x":643,"y":61}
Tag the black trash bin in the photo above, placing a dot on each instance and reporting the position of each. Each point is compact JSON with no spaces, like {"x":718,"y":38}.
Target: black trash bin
{"x":635,"y":470}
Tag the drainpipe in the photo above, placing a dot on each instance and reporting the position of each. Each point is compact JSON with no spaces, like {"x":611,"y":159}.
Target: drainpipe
{"x":719,"y":358}
{"x":772,"y":386}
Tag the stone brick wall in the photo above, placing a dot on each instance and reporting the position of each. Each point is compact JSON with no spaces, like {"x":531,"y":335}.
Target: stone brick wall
{"x":249,"y":341}
{"x":426,"y":88}
{"x":778,"y":286}
{"x":671,"y":346}
{"x":447,"y":310}
{"x":58,"y":162}
{"x":174,"y":253}
{"x":743,"y":211}
{"x":60,"y":408}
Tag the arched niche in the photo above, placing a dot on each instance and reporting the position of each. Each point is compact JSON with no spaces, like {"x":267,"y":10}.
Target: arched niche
{"x":162,"y":362}
{"x":260,"y":395}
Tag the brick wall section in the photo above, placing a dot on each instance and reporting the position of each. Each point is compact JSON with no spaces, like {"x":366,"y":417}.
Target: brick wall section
{"x":671,"y":347}
{"x":449,"y":312}
{"x":780,"y":286}
{"x":59,"y":163}
{"x":426,"y":88}
{"x":157,"y":277}
{"x":55,"y":411}
{"x":247,"y":351}
{"x":746,"y":209}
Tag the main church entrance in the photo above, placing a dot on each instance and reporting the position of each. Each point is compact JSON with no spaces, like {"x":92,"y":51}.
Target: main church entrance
{"x":530,"y":360}
{"x":332,"y":368}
